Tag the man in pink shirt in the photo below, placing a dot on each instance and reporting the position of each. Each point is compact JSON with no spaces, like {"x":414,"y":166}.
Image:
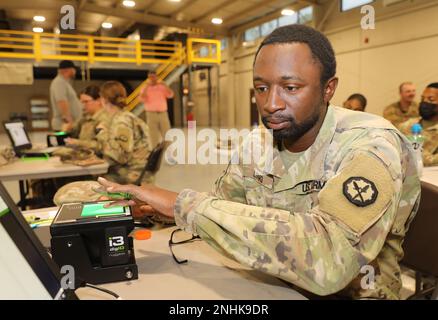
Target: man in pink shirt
{"x":154,"y":96}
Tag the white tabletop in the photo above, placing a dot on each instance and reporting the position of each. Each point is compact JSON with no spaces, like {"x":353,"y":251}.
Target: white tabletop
{"x":430,"y":175}
{"x":207,"y":275}
{"x":46,"y":168}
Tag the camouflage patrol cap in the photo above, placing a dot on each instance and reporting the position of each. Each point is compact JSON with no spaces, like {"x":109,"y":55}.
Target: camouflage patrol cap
{"x":78,"y":191}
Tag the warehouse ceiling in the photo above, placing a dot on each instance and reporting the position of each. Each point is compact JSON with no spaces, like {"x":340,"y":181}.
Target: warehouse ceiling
{"x":188,"y":16}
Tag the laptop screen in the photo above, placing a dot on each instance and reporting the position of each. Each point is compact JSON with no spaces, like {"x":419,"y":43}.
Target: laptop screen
{"x":17,"y":133}
{"x":26,"y":270}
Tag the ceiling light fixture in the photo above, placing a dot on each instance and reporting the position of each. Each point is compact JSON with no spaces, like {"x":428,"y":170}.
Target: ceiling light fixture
{"x":287,"y":12}
{"x":107,"y":25}
{"x":37,"y":29}
{"x":175,"y":0}
{"x":39,"y":18}
{"x":216,"y":21}
{"x":129,"y":3}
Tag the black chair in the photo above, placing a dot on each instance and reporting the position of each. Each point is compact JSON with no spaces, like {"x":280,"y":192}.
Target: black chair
{"x":419,"y":245}
{"x":153,"y":163}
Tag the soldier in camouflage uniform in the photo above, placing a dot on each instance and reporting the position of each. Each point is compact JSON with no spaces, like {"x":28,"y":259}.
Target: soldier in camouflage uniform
{"x":328,"y":209}
{"x":84,"y":132}
{"x":124,"y":139}
{"x":429,"y":123}
{"x":405,"y":109}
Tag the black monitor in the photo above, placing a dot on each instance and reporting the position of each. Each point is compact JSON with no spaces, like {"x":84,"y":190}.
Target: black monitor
{"x":17,"y":133}
{"x":26,"y":269}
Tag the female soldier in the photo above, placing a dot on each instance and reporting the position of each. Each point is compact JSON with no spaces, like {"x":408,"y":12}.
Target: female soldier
{"x":94,"y":114}
{"x":124,"y":139}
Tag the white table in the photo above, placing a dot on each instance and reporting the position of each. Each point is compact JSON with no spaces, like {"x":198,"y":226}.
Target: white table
{"x":52,"y":167}
{"x":207,"y":274}
{"x":46,"y":168}
{"x":430,"y":175}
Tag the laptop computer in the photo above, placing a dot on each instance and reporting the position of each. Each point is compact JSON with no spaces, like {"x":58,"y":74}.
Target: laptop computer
{"x":26,"y":269}
{"x":20,"y":141}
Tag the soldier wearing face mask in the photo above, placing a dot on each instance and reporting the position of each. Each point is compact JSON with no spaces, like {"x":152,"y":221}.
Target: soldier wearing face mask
{"x":429,"y":121}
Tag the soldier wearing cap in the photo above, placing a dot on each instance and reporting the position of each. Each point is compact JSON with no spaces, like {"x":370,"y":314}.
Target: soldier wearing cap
{"x":333,"y":203}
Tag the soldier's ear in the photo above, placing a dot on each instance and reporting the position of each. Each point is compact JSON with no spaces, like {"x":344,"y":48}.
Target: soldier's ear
{"x":330,"y":88}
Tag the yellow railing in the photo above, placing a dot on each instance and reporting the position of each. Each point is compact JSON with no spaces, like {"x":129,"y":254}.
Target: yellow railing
{"x":203,"y":51}
{"x":51,"y":46}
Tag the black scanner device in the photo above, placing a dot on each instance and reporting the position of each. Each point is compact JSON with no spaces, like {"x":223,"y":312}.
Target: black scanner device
{"x":95,"y":241}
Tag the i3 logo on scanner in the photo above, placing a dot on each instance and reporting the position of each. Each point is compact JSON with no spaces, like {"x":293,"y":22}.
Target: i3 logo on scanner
{"x":116,"y":241}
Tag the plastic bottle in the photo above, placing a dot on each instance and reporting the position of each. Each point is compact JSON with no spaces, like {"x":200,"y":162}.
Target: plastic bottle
{"x":417,"y":143}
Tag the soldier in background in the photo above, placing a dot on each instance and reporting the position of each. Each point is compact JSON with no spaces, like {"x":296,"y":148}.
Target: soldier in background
{"x":356,"y":102}
{"x":124,"y":139}
{"x":335,"y":203}
{"x":405,"y":109}
{"x":429,"y":122}
{"x":84,"y":132}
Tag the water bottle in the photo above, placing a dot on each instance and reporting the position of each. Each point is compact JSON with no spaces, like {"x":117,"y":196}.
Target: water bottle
{"x":417,"y":143}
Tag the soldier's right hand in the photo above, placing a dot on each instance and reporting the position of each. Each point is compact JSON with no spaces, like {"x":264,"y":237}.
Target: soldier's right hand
{"x":134,"y":193}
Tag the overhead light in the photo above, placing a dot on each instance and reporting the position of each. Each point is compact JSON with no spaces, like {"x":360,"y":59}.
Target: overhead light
{"x":175,"y":0}
{"x":39,"y":18}
{"x":129,"y":3}
{"x":287,"y":12}
{"x":107,"y":25}
{"x":37,"y":29}
{"x":216,"y":21}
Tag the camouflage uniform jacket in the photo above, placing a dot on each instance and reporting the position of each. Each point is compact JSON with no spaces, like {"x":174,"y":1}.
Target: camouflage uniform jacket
{"x":396,"y":116}
{"x":345,"y":204}
{"x":430,"y":134}
{"x":125,"y":145}
{"x":85,"y":129}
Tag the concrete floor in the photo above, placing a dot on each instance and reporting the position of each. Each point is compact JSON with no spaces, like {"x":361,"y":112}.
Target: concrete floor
{"x":177,"y":177}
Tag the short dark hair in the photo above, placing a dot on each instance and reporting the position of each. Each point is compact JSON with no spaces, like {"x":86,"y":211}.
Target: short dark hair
{"x":360,"y":97}
{"x":322,"y":50}
{"x":433,"y":85}
{"x":65,"y":64}
{"x":92,"y":91}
